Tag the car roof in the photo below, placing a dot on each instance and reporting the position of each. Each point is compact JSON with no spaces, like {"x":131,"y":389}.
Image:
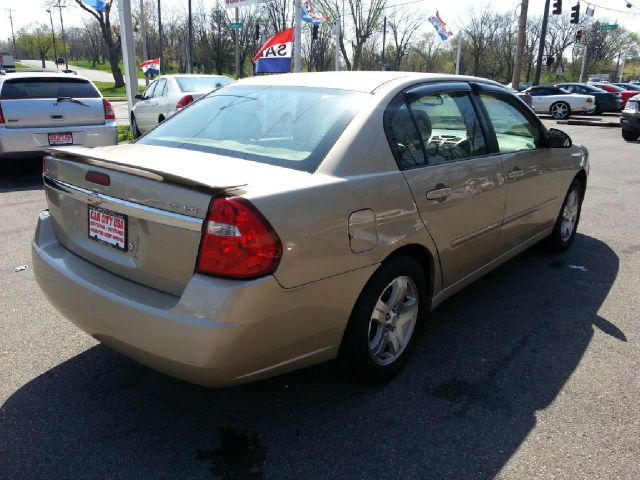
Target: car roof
{"x":356,"y":81}
{"x":11,"y":76}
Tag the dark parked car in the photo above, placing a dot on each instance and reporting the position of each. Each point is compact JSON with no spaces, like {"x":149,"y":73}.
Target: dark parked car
{"x":627,"y":86}
{"x":605,"y":101}
{"x":630,"y":119}
{"x":60,"y":61}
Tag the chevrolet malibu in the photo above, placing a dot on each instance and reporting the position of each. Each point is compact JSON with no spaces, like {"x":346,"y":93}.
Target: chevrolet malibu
{"x":287,"y":220}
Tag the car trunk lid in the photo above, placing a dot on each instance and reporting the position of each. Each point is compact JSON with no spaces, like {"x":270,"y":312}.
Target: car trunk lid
{"x":138,"y":210}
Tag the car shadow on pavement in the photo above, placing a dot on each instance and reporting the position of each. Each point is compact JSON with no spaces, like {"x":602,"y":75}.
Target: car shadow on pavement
{"x":20,"y":175}
{"x":488,"y":360}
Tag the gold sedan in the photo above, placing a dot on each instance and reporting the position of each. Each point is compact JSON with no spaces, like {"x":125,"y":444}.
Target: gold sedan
{"x":282,"y":221}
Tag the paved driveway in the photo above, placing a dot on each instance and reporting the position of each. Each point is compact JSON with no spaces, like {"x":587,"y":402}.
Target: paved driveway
{"x":530,"y":373}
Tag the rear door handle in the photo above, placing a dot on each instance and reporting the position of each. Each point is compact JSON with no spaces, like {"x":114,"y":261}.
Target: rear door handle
{"x":515,"y":174}
{"x":439,"y":193}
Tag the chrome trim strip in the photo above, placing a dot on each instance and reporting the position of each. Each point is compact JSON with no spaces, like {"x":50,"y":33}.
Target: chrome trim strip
{"x":459,"y":241}
{"x":526,"y":212}
{"x":136,"y":210}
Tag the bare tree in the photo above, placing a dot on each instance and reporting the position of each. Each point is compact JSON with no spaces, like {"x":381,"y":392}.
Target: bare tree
{"x":403,"y":26}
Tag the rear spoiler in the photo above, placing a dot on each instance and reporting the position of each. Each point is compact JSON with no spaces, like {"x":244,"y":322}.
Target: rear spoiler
{"x":104,"y":160}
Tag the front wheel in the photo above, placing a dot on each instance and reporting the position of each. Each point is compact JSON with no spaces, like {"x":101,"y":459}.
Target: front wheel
{"x":564,"y":230}
{"x":560,"y":110}
{"x":630,"y":135}
{"x":382,"y":330}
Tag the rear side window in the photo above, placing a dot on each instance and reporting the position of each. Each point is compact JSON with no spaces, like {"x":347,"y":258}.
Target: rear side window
{"x":51,"y":87}
{"x":514,"y":131}
{"x":447,"y":126}
{"x":201,"y":84}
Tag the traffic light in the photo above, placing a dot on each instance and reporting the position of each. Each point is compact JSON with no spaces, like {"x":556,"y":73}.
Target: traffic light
{"x":579,"y":36}
{"x":314,"y":32}
{"x":257,"y":31}
{"x":575,"y":13}
{"x":557,"y":7}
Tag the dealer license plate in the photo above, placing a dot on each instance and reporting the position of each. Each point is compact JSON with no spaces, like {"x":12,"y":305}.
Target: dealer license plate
{"x":60,"y":139}
{"x":108,"y":227}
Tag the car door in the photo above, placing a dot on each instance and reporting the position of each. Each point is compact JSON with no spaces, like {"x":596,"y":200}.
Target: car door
{"x":143,"y":110}
{"x":541,"y":99}
{"x":533,"y":172}
{"x":159,"y":95}
{"x":438,"y":139}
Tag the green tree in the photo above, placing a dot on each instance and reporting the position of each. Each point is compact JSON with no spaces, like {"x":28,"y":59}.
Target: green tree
{"x":36,"y":40}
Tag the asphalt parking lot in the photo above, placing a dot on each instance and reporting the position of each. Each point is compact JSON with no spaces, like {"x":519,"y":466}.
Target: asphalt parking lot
{"x":533,"y":372}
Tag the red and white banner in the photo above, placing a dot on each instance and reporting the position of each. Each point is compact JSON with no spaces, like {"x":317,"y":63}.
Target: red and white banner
{"x":275,"y":54}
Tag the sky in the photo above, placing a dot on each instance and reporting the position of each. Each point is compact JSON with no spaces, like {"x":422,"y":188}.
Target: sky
{"x":453,"y":12}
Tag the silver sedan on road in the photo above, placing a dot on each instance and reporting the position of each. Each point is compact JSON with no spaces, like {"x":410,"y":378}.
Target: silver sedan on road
{"x":45,"y":109}
{"x":168,"y":94}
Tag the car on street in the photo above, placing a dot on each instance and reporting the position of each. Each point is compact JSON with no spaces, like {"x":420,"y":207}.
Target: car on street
{"x":559,"y":103}
{"x":605,"y":101}
{"x":287,"y":220}
{"x":611,"y":88}
{"x":630,"y":119}
{"x":168,"y":94}
{"x":41,"y":110}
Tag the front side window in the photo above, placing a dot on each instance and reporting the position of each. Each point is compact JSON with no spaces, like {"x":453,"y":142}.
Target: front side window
{"x":159,"y":90}
{"x":515,"y":132}
{"x":148,"y":93}
{"x":288,"y":126}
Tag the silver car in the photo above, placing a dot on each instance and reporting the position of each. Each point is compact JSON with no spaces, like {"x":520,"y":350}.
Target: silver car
{"x":168,"y":94}
{"x":41,"y":110}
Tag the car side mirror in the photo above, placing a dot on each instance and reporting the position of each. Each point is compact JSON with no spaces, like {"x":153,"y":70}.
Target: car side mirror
{"x":139,"y":97}
{"x":558,"y":139}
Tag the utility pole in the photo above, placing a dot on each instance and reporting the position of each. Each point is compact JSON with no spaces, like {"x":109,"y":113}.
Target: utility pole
{"x":459,"y":53}
{"x":59,"y":6}
{"x":297,"y":36}
{"x":236,"y":39}
{"x":143,"y":28}
{"x":384,"y":41}
{"x":522,"y":38}
{"x":543,"y":35}
{"x":160,"y":35}
{"x":621,"y":76}
{"x":128,"y":51}
{"x":190,"y":43}
{"x":584,"y":61}
{"x":53,"y":38}
{"x":13,"y":36}
{"x":336,"y":39}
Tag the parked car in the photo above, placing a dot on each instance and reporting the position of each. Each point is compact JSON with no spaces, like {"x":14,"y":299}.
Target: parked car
{"x":630,"y":119}
{"x":605,"y":101}
{"x":525,"y":97}
{"x":228,"y":245}
{"x":168,"y":94}
{"x":60,"y":61}
{"x":628,"y":86}
{"x":611,"y":88}
{"x":559,"y":103}
{"x":40,"y":110}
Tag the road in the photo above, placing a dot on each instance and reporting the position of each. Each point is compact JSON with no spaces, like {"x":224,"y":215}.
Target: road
{"x":533,"y":372}
{"x":93,"y":75}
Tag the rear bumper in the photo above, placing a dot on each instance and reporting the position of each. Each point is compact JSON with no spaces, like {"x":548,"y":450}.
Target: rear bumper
{"x":611,"y":106}
{"x":21,"y":141}
{"x":218,"y":332}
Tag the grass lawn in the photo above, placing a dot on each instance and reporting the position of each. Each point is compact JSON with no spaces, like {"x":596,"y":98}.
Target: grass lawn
{"x":22,"y":65}
{"x":108,"y":89}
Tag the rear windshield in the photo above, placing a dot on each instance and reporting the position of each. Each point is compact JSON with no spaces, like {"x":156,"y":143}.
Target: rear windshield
{"x":292,"y":127}
{"x":201,"y":84}
{"x":38,"y":87}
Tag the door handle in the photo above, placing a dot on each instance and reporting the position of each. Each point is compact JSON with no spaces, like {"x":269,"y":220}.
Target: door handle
{"x":439,"y":193}
{"x":515,"y":174}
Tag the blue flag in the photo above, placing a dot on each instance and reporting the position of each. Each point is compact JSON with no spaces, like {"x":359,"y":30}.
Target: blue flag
{"x":98,"y":5}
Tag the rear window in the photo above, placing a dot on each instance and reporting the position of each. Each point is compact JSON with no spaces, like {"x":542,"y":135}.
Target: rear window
{"x":38,"y":87}
{"x":201,"y":84}
{"x":292,"y":127}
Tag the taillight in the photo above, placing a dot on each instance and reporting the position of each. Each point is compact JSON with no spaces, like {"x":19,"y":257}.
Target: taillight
{"x":108,"y":110}
{"x":1,"y":117}
{"x":184,"y":101}
{"x":589,"y":100}
{"x":237,"y":241}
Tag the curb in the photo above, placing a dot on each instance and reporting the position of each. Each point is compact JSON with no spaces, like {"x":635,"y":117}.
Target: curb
{"x":116,"y":99}
{"x":592,"y":123}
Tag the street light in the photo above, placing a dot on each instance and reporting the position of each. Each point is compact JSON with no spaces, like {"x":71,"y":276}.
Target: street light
{"x":53,"y":37}
{"x":59,"y":6}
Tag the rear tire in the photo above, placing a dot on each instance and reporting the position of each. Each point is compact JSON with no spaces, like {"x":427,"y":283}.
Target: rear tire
{"x":134,"y":127}
{"x":560,"y":110}
{"x":564,"y":230}
{"x":630,"y":135}
{"x":383,"y":327}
